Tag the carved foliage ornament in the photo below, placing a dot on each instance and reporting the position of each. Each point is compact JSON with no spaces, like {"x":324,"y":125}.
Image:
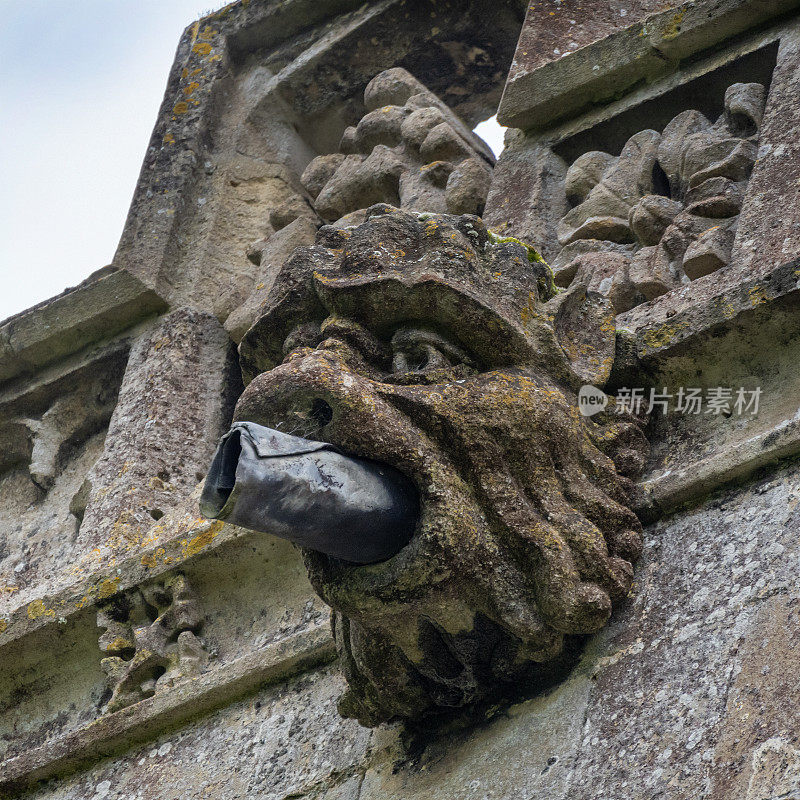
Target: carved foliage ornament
{"x":426,"y":343}
{"x":665,"y":211}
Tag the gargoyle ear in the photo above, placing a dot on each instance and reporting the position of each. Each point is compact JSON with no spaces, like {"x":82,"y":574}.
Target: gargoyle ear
{"x":585,"y":328}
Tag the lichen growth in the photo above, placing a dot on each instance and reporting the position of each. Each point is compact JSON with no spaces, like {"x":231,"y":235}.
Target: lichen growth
{"x":549,"y":289}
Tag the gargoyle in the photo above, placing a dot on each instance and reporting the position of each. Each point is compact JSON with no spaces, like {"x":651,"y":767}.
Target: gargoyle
{"x":427,"y":344}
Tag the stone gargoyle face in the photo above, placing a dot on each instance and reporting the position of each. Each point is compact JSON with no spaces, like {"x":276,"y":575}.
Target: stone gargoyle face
{"x":426,"y":343}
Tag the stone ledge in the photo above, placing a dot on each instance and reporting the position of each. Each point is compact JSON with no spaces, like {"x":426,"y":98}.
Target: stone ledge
{"x":192,"y":540}
{"x":674,"y":488}
{"x":190,"y":698}
{"x":536,"y":97}
{"x":69,"y":322}
{"x":665,"y":327}
{"x":671,"y":334}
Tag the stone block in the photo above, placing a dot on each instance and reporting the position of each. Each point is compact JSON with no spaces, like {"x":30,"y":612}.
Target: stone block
{"x":282,"y":741}
{"x":769,"y":226}
{"x":174,"y":402}
{"x":97,"y":309}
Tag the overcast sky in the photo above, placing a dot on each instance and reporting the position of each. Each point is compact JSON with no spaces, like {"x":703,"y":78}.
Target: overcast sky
{"x":80,"y":86}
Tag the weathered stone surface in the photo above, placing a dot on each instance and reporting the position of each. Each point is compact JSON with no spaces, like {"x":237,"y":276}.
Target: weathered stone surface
{"x":149,"y":640}
{"x":258,"y":90}
{"x":706,"y":581}
{"x":51,"y":433}
{"x":174,"y":402}
{"x":690,"y":691}
{"x":61,"y":746}
{"x":769,"y":230}
{"x":698,"y":658}
{"x":743,"y":340}
{"x":410,"y":151}
{"x":570,"y":58}
{"x":402,"y":392}
{"x":526,"y":197}
{"x":279,"y":742}
{"x":674,"y":196}
{"x":269,"y":254}
{"x":95,"y":310}
{"x":520,"y":752}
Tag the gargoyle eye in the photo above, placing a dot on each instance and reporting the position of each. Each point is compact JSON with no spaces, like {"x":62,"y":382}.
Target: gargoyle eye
{"x":420,"y":350}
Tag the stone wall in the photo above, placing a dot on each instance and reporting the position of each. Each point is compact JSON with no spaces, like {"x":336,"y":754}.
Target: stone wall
{"x":147,"y":652}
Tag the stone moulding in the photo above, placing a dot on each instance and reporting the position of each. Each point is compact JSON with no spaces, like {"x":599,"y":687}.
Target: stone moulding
{"x":188,"y":698}
{"x":150,"y":640}
{"x":51,"y":331}
{"x":542,"y":89}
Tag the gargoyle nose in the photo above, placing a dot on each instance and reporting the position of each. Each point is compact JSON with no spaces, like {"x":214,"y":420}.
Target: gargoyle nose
{"x":310,"y":493}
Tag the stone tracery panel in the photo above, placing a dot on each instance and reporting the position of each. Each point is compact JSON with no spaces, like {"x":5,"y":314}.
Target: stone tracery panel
{"x":150,"y":640}
{"x":49,"y":440}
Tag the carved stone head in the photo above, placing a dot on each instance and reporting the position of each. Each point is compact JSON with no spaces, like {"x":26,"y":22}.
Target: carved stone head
{"x":427,"y":343}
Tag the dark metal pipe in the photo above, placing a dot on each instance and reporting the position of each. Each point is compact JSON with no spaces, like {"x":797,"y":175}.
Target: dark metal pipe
{"x":310,"y":493}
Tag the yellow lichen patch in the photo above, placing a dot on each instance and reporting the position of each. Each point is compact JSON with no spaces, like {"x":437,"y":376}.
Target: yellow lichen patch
{"x":726,"y":308}
{"x":195,"y":545}
{"x":38,"y":609}
{"x":658,"y":337}
{"x":168,"y":138}
{"x":3,"y":625}
{"x":191,"y":88}
{"x":8,"y":589}
{"x":120,"y":643}
{"x":151,"y":560}
{"x":208,"y":33}
{"x":180,"y":108}
{"x":757,"y":295}
{"x":202,"y":48}
{"x":529,"y":312}
{"x":107,"y":587}
{"x":82,"y":602}
{"x":673,"y":27}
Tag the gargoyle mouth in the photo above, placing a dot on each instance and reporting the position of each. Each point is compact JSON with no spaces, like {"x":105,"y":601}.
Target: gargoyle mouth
{"x":311,"y":493}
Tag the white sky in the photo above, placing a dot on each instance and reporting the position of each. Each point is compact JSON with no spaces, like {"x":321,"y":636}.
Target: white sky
{"x":80,"y":86}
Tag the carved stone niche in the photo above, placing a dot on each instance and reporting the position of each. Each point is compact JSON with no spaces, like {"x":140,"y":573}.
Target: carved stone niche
{"x":410,"y":150}
{"x":150,"y":640}
{"x":445,"y":351}
{"x":664,"y":212}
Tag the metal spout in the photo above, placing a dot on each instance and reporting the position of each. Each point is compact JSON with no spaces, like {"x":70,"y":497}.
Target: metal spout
{"x":310,"y":493}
